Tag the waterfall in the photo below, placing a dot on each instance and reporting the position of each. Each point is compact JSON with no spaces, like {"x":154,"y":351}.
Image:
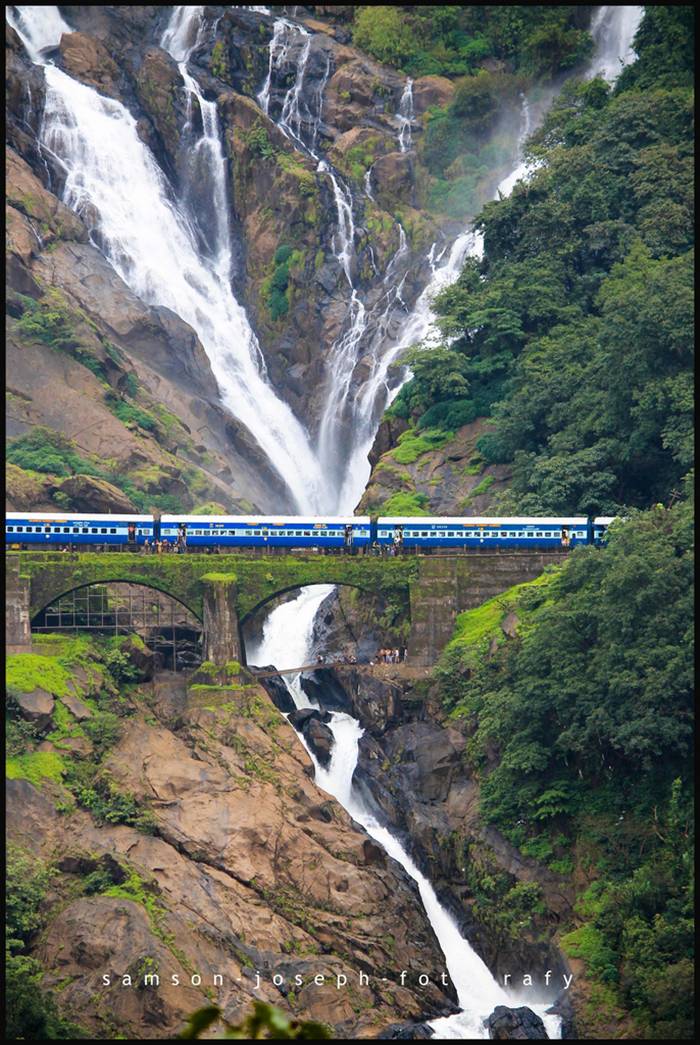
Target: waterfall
{"x":613,"y":30}
{"x":287,"y":632}
{"x":151,"y":242}
{"x":287,"y":636}
{"x":207,"y":165}
{"x":368,"y":184}
{"x":152,"y":245}
{"x":405,"y":116}
{"x":300,"y":124}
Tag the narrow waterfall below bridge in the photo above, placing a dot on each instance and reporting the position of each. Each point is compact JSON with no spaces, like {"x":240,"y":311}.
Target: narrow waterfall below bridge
{"x":287,"y":632}
{"x":147,"y":237}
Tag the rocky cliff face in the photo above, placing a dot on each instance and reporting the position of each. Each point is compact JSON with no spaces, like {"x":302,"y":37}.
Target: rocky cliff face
{"x":126,"y":386}
{"x":411,"y":771}
{"x":247,"y":868}
{"x":287,"y":99}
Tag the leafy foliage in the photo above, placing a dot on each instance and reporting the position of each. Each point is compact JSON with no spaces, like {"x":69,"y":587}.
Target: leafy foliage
{"x":43,"y":450}
{"x":581,"y":730}
{"x":264,"y":1022}
{"x":575,"y":331}
{"x":451,"y":40}
{"x":30,"y":1012}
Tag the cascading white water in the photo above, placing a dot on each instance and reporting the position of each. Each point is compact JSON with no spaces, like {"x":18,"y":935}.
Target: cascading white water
{"x":477,"y":991}
{"x":182,"y":35}
{"x":405,"y":116}
{"x":151,"y":244}
{"x":613,"y":29}
{"x":149,"y":241}
{"x":287,"y":636}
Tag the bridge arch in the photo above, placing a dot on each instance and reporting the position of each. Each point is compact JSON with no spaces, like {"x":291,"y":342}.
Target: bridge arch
{"x":370,"y":589}
{"x":47,"y":599}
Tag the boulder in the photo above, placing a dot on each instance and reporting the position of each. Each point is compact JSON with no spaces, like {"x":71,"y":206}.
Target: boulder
{"x":77,"y":708}
{"x":393,"y":176}
{"x":301,"y":717}
{"x":277,"y":691}
{"x":89,"y":61}
{"x":323,"y":686}
{"x":506,"y":1024}
{"x":406,"y":1032}
{"x":320,"y":739}
{"x":431,"y":90}
{"x":312,"y":726}
{"x":36,"y":707}
{"x":88,"y":494}
{"x":159,"y":89}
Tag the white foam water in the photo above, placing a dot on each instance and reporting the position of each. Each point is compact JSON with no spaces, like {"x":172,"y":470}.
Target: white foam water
{"x":152,"y":245}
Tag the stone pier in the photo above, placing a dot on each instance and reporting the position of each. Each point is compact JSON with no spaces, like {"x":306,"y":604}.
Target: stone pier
{"x":18,"y":635}
{"x":222,"y":642}
{"x":448,"y":585}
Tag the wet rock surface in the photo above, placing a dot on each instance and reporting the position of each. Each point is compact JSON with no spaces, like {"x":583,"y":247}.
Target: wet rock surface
{"x":521,"y":1024}
{"x":251,"y":866}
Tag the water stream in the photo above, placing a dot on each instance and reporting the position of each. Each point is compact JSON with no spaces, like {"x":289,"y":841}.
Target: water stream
{"x":113,"y":180}
{"x":150,"y":238}
{"x":288,"y":631}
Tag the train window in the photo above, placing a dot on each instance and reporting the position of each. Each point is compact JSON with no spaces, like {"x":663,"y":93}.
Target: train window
{"x":66,"y":529}
{"x":504,"y":533}
{"x":11,"y":529}
{"x":75,"y":529}
{"x":103,"y":529}
{"x":112,"y":530}
{"x":539,"y":534}
{"x":85,"y":529}
{"x":307,"y":533}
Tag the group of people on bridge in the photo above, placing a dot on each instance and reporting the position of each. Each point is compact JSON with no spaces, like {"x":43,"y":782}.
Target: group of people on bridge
{"x":157,"y":547}
{"x":391,"y":656}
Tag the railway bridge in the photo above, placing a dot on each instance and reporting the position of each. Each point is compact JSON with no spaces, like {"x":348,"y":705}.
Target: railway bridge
{"x":223,"y":591}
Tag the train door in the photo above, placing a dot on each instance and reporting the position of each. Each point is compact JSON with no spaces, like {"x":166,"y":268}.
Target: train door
{"x":131,"y":533}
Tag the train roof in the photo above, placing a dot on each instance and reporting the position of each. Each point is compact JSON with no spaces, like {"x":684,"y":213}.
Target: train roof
{"x":66,"y":517}
{"x":272,"y":520}
{"x":513,"y":520}
{"x":605,"y":520}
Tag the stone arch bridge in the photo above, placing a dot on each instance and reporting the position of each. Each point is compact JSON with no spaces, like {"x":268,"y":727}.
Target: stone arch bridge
{"x":223,"y":591}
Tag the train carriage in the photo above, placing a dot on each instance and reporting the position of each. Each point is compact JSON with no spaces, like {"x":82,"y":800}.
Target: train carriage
{"x":249,"y":531}
{"x":57,"y":529}
{"x":417,"y":532}
{"x":599,"y":527}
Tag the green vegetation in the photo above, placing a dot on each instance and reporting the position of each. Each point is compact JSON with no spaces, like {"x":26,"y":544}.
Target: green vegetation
{"x":25,"y":672}
{"x":276,"y":288}
{"x":411,"y":446}
{"x":218,"y":62}
{"x":264,"y":1022}
{"x":84,"y":778}
{"x":452,"y":41}
{"x":30,"y":1012}
{"x":36,"y":767}
{"x":404,"y":504}
{"x":575,"y":330}
{"x":581,"y":732}
{"x":42,"y":450}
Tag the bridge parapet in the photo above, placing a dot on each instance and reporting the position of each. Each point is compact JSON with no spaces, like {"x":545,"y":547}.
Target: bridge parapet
{"x":223,"y":590}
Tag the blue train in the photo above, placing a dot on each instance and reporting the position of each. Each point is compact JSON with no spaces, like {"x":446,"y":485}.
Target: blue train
{"x":204,"y":532}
